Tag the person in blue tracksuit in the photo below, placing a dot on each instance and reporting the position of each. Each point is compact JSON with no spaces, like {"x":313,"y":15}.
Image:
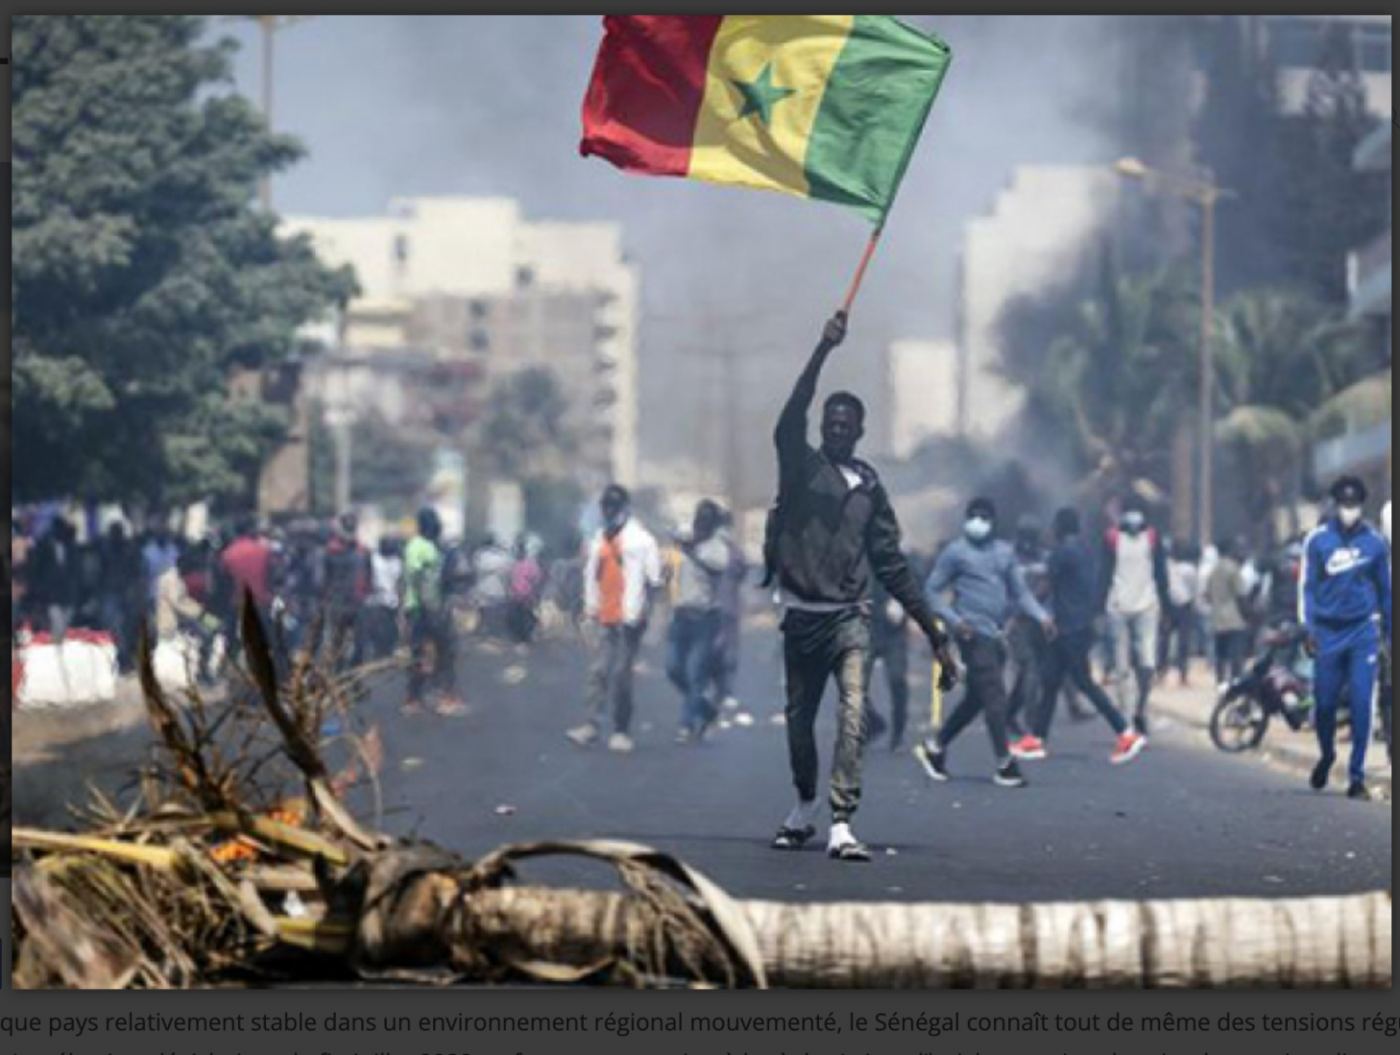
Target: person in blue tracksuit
{"x":1344,"y":602}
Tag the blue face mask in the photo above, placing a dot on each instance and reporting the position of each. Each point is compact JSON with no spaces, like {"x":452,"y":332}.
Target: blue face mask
{"x":977,"y":528}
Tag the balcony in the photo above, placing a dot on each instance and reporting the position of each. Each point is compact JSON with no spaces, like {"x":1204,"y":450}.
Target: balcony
{"x":1368,"y":278}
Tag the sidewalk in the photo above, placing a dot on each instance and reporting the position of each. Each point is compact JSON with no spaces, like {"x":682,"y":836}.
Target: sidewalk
{"x":1297,"y":751}
{"x":37,"y":731}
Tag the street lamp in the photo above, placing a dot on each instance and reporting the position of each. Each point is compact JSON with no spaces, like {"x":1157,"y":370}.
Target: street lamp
{"x":1205,"y":193}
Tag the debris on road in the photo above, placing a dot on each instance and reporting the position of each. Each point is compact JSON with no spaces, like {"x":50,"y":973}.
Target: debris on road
{"x":145,"y":898}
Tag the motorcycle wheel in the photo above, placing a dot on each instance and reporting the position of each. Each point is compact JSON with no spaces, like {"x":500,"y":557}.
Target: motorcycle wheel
{"x":1238,"y":725}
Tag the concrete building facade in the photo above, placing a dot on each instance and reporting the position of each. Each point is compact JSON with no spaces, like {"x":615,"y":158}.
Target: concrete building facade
{"x":1035,"y":233}
{"x":471,"y":280}
{"x":922,"y":403}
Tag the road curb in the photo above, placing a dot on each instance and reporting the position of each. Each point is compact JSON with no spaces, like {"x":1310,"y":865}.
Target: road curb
{"x":1296,"y":751}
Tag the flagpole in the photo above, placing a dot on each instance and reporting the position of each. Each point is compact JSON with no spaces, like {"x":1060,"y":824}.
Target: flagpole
{"x":860,"y":269}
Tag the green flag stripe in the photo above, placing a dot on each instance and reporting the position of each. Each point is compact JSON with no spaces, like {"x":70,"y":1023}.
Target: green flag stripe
{"x":872,"y":111}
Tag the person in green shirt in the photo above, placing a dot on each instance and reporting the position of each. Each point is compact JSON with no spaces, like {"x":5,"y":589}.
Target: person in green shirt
{"x":433,"y":666}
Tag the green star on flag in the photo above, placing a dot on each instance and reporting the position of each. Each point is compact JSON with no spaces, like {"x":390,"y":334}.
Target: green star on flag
{"x":761,"y":94}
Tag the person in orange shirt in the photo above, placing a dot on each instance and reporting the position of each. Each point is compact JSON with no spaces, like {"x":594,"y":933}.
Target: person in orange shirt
{"x":623,"y":567}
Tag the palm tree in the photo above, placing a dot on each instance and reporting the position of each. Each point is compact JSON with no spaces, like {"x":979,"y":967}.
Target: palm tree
{"x":1122,"y":371}
{"x":1279,"y":353}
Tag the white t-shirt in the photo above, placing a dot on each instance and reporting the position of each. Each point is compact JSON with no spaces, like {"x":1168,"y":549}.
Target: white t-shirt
{"x":386,"y":574}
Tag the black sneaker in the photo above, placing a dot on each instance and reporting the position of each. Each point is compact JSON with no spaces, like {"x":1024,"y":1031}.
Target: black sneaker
{"x":1358,"y":790}
{"x":1008,"y":775}
{"x":933,"y":758}
{"x":1320,"y":772}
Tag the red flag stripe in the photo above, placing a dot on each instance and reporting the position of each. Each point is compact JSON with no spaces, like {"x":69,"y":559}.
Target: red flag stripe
{"x":647,"y":86}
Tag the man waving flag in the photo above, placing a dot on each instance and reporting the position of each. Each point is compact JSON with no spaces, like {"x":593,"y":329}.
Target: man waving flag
{"x":822,"y":106}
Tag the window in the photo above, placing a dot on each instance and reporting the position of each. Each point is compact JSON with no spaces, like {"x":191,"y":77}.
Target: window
{"x":400,"y":249}
{"x":479,"y":341}
{"x":477,"y":309}
{"x":524,"y":277}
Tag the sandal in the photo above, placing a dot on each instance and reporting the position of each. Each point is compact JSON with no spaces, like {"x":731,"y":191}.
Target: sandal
{"x":855,"y":850}
{"x":793,"y":838}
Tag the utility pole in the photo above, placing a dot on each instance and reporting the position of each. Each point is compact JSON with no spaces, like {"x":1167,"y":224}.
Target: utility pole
{"x":269,"y":25}
{"x":1210,"y":194}
{"x":1204,"y":192}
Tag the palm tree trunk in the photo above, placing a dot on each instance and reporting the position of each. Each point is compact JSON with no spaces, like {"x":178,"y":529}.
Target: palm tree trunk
{"x":1333,"y":942}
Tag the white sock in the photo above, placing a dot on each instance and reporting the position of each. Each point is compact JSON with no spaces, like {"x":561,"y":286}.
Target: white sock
{"x":801,"y":815}
{"x":840,"y":834}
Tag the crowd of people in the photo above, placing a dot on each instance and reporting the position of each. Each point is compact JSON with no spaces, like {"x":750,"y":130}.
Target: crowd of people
{"x":1021,"y":620}
{"x":848,"y":590}
{"x":309,"y":576}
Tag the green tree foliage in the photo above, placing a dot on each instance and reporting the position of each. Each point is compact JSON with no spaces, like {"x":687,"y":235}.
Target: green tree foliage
{"x":389,"y":466}
{"x":1279,"y":354}
{"x":523,"y":432}
{"x":1112,"y":361}
{"x":142,"y":272}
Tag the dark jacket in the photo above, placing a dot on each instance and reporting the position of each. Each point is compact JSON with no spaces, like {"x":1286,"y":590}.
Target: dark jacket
{"x":1075,"y":597}
{"x":825,"y":538}
{"x":346,"y":571}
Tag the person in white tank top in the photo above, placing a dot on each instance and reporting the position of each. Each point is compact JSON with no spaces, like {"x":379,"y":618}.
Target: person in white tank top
{"x":1135,"y":582}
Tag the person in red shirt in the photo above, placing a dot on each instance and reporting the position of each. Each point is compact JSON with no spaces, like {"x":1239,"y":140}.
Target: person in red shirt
{"x":247,"y":562}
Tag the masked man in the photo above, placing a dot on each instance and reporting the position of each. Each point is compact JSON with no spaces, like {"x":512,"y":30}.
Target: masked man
{"x":1135,"y":579}
{"x":1344,"y":602}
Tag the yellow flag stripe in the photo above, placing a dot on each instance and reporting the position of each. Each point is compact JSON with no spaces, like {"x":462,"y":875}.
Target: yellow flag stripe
{"x":791,"y":57}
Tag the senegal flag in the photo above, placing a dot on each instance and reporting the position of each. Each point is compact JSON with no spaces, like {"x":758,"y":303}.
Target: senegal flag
{"x":822,"y":106}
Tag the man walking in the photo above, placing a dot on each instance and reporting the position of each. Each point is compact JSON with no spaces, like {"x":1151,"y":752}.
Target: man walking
{"x":1178,"y":625}
{"x":622,"y":569}
{"x":345,"y":566}
{"x":1227,"y":593}
{"x":988,"y":587}
{"x":692,"y":638}
{"x":1136,"y":581}
{"x":833,"y":526}
{"x":1344,"y":603}
{"x":433,"y":666}
{"x":1074,"y":595}
{"x":1025,"y":640}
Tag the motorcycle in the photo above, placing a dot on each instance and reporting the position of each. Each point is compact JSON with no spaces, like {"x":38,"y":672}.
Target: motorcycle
{"x":1271,"y":687}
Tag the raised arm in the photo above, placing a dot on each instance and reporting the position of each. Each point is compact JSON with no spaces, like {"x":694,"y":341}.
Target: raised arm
{"x":790,"y":436}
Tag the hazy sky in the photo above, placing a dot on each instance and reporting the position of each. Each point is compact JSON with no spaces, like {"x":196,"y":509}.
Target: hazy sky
{"x":403,"y":105}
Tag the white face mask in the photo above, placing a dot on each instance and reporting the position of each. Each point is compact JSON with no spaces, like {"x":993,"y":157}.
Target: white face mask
{"x":1349,"y":515}
{"x":977,"y":528}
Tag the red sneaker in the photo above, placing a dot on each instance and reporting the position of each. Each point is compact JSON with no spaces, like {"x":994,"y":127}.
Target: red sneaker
{"x":1029,"y":748}
{"x":1130,"y":745}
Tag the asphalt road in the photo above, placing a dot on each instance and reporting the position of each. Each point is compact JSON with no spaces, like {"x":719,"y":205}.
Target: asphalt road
{"x":1181,"y":821}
